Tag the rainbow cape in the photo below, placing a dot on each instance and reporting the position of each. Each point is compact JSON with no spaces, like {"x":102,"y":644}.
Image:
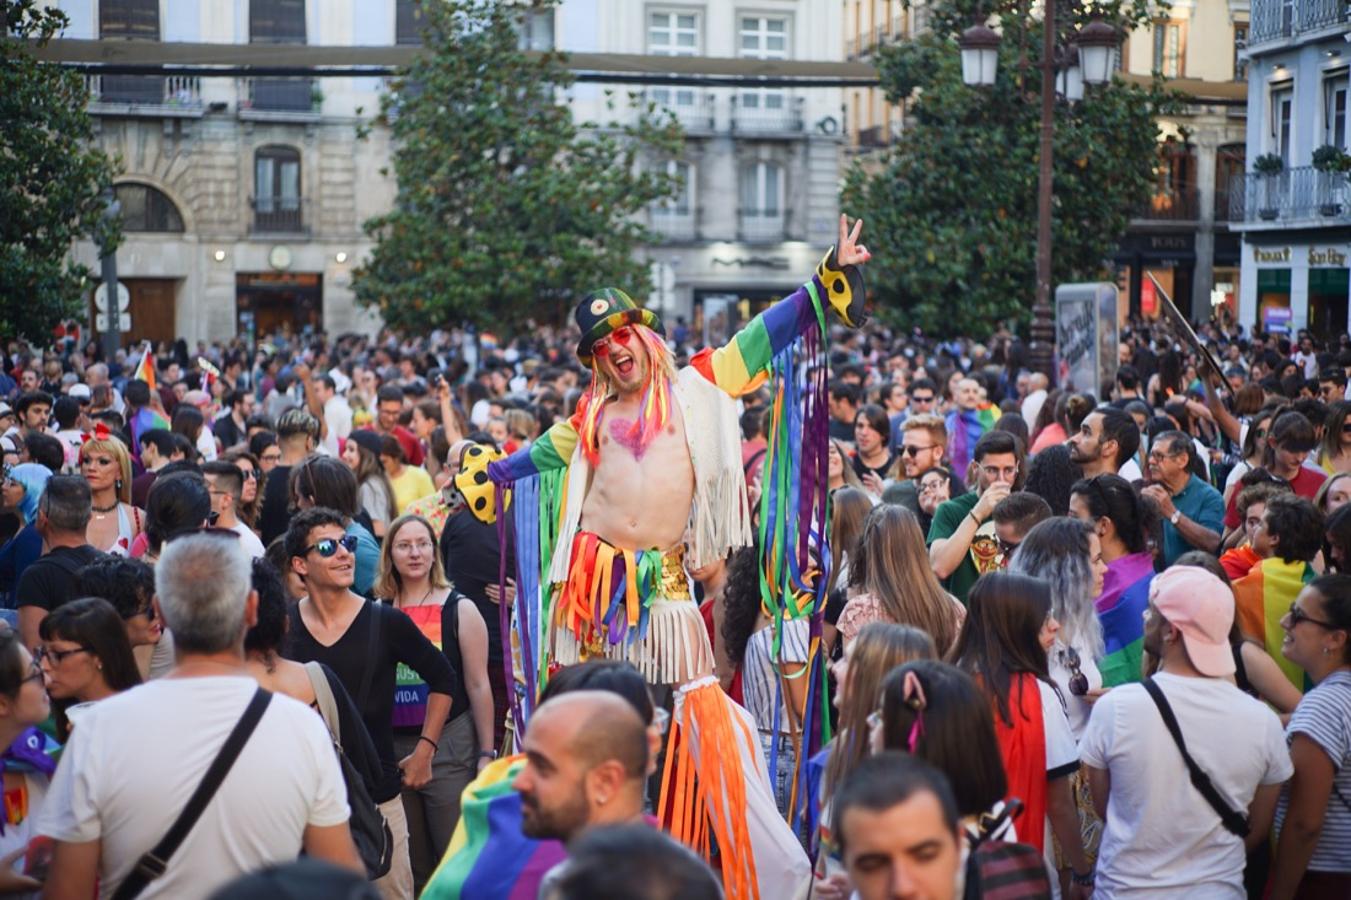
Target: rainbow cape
{"x":1121,"y":606}
{"x":965,"y":427}
{"x":146,"y":419}
{"x":488,"y":858}
{"x":1263,"y":597}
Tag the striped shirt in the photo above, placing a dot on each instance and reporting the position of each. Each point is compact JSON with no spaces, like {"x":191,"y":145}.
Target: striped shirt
{"x":1324,"y":717}
{"x":760,"y":676}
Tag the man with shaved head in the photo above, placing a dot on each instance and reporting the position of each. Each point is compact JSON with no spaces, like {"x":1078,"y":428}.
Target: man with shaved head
{"x":586,"y":764}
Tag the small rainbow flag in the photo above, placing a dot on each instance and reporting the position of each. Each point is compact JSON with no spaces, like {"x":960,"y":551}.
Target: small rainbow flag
{"x":146,"y":419}
{"x":1121,"y":606}
{"x":145,"y":369}
{"x":488,"y":857}
{"x":965,"y":427}
{"x":1263,"y":597}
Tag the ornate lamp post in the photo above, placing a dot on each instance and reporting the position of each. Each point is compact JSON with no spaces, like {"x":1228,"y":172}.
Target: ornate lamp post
{"x":1093,"y":48}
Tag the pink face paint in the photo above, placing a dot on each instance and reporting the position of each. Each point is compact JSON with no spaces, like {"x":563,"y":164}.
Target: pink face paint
{"x":628,"y":437}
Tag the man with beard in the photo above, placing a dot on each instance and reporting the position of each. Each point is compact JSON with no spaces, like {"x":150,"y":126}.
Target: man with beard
{"x":1106,"y":444}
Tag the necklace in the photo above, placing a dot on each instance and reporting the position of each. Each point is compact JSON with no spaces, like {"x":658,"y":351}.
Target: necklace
{"x":106,"y":509}
{"x":423,"y":601}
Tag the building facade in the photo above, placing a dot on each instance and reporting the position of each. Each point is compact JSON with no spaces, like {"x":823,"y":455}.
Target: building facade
{"x":1295,"y":209}
{"x":760,"y":167}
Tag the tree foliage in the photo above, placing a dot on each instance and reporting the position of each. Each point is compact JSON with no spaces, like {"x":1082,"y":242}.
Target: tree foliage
{"x":51,"y":178}
{"x":952,"y":213}
{"x":507,"y":209}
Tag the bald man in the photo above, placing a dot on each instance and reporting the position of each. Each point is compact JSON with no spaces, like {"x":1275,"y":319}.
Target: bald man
{"x":586,"y":763}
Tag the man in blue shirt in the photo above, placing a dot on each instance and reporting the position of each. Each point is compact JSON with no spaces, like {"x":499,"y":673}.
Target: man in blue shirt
{"x":1192,"y":510}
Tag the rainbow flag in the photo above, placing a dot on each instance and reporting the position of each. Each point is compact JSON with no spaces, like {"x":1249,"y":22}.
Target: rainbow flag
{"x":1263,"y":597}
{"x":488,"y":857}
{"x":965,"y":427}
{"x":145,"y":369}
{"x":146,"y":419}
{"x":410,"y":691}
{"x":1121,"y":607}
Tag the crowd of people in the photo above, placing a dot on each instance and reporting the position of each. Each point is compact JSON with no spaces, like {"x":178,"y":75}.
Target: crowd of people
{"x":1079,"y":644}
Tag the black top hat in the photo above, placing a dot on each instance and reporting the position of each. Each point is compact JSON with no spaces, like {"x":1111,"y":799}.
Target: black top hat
{"x":602,"y":311}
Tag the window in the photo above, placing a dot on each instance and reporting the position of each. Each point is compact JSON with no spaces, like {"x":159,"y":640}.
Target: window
{"x":1240,"y":44}
{"x":1334,"y":109}
{"x":762,"y":37}
{"x":672,"y":34}
{"x":762,"y":190}
{"x":276,"y":201}
{"x":408,"y":22}
{"x":537,"y":30}
{"x":277,"y":21}
{"x":137,"y":19}
{"x":1282,"y":110}
{"x":1168,"y":49}
{"x":680,"y":205}
{"x":146,"y":209}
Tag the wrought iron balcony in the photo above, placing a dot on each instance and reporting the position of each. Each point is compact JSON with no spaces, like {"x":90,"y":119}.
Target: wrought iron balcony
{"x":766,"y":113}
{"x":760,"y":226}
{"x":174,"y":96}
{"x":1178,"y":205}
{"x":1303,"y":195}
{"x":1274,"y":20}
{"x":291,"y":99}
{"x":674,"y":224}
{"x":279,"y":215}
{"x":694,"y":109}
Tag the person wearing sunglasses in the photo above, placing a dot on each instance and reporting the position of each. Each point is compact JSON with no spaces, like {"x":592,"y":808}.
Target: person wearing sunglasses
{"x":129,"y":585}
{"x":85,"y":656}
{"x":365,"y":643}
{"x":29,"y":755}
{"x":1313,"y":817}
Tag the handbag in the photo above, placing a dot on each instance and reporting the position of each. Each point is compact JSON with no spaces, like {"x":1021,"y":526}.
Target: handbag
{"x":1235,"y":822}
{"x":153,"y":864}
{"x":370,"y":831}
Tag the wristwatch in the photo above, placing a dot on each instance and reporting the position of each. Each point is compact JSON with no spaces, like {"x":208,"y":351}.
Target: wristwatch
{"x":487,"y":754}
{"x":1177,"y":514}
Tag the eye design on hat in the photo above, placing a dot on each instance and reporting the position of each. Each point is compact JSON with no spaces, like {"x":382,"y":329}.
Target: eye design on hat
{"x":599,"y":306}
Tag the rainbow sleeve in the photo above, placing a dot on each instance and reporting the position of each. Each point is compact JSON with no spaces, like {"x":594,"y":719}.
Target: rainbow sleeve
{"x":552,"y":451}
{"x":736,"y":367}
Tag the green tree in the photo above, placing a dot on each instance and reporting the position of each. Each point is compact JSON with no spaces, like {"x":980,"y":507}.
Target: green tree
{"x":507,"y":209}
{"x":952,"y":212}
{"x":51,"y":178}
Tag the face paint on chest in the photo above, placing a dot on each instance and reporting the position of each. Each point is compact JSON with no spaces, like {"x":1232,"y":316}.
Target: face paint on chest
{"x":628,"y":437}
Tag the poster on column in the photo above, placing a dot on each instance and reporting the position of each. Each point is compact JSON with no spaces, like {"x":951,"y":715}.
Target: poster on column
{"x":1086,"y":348}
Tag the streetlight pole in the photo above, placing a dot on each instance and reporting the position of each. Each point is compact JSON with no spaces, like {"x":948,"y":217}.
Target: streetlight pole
{"x":110,"y":336}
{"x":1042,"y":331}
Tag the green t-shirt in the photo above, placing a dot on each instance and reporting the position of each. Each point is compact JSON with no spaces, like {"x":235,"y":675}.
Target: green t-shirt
{"x":947,"y":517}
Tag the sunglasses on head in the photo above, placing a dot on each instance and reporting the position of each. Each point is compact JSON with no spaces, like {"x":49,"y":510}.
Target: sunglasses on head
{"x":1078,"y":680}
{"x":329,"y":546}
{"x":623,"y":335}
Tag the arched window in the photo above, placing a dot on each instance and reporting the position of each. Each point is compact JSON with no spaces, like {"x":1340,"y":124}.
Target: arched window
{"x":147,"y":209}
{"x":276,"y":198}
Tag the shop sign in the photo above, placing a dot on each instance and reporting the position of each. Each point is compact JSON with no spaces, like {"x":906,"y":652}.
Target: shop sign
{"x":1271,"y":255}
{"x":1276,"y":319}
{"x":754,"y":262}
{"x":1328,"y":256}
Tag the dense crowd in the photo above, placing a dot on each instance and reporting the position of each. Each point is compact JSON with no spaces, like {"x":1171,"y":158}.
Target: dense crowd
{"x":1080,"y":645}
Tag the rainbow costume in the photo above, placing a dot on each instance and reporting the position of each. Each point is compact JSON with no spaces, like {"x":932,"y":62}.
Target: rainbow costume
{"x":580,"y":596}
{"x":1262,"y":598}
{"x":1121,"y":607}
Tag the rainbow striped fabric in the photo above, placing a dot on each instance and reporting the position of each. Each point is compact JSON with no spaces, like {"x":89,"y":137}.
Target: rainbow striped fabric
{"x":1121,"y":607}
{"x":145,"y":369}
{"x":488,"y":857}
{"x":410,"y":691}
{"x":146,"y":419}
{"x":965,"y":427}
{"x":1264,"y":596}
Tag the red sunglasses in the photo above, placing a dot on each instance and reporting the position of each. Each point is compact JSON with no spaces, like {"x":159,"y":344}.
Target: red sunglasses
{"x":623,"y":335}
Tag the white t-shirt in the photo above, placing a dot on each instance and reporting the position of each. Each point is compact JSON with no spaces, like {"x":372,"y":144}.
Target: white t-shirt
{"x":338,"y":418}
{"x":1076,"y":708}
{"x":251,"y":543}
{"x":206,"y":444}
{"x":1130,"y":470}
{"x":137,"y":757}
{"x":1161,"y":838}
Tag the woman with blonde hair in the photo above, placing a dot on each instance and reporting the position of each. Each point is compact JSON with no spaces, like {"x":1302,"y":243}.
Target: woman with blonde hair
{"x":411,"y":579}
{"x":897,"y":584}
{"x":114,"y":522}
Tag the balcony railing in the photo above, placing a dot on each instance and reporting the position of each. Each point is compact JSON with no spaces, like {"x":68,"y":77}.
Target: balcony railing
{"x":1302,"y":194}
{"x":693,"y":109}
{"x":1224,"y":205}
{"x":279,"y":215}
{"x":758,"y":226}
{"x":286,"y":95}
{"x":175,"y":94}
{"x":1180,"y":205}
{"x":673,"y":224}
{"x":1273,"y":20}
{"x":766,"y":112}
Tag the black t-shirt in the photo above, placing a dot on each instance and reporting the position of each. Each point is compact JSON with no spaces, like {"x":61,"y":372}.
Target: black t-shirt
{"x":50,"y":582}
{"x":471,"y":555}
{"x":275,"y":514}
{"x":352,"y":734}
{"x":860,"y":469}
{"x":399,"y":641}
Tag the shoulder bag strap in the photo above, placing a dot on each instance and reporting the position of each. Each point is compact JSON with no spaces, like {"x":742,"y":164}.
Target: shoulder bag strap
{"x":1235,"y":822}
{"x":372,"y":645}
{"x":328,"y":704}
{"x":153,"y":864}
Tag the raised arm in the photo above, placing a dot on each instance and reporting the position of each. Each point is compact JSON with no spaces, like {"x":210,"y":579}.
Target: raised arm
{"x":837,"y":281}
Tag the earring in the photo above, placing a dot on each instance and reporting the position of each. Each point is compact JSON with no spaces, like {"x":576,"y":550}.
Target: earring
{"x":119,"y":484}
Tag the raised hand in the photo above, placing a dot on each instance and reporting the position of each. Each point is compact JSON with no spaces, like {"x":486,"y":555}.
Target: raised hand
{"x":848,"y":252}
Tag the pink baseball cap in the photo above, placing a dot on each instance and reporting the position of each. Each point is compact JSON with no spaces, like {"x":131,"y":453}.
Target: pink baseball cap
{"x":1200,"y":606}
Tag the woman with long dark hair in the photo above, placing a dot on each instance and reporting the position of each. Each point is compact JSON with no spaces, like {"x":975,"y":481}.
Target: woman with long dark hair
{"x":1009,"y":629}
{"x":250,"y":498}
{"x":361,"y":452}
{"x":85,"y":656}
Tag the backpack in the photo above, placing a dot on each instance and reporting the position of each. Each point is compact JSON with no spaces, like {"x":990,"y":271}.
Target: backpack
{"x":1001,"y":870}
{"x":370,"y":831}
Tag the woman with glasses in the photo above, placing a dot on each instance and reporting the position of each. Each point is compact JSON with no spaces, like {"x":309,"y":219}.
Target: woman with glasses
{"x":412,"y":580}
{"x":1313,"y":816}
{"x":935,"y":488}
{"x":264,"y":446}
{"x":85,"y":656}
{"x":859,"y":673}
{"x":28,"y":758}
{"x":1009,"y":630}
{"x":251,"y":497}
{"x":129,"y":585}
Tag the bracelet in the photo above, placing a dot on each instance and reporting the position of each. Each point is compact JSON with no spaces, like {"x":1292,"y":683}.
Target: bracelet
{"x":423,"y":737}
{"x":972,"y":516}
{"x":487,"y":754}
{"x":1085,"y":880}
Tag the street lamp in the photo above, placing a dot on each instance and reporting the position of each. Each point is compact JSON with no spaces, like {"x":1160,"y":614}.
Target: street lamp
{"x":1094,"y":44}
{"x":1070,"y":82}
{"x":980,"y":55}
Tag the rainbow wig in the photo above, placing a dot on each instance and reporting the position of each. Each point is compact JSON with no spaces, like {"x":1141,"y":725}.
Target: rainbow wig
{"x":656,"y":403}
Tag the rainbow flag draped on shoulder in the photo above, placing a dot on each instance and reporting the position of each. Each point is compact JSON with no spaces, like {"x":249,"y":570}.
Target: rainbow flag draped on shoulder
{"x":1121,"y":607}
{"x":1264,"y":596}
{"x":965,"y":427}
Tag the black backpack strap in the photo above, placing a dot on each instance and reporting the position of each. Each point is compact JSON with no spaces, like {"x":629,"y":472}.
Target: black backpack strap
{"x":1235,"y":822}
{"x":153,"y":864}
{"x":372,"y":645}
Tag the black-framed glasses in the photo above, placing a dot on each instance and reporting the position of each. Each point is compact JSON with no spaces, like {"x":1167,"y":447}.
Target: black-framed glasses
{"x":928,"y":399}
{"x":58,"y":656}
{"x":329,"y":546}
{"x":1078,"y":680}
{"x":1298,"y":615}
{"x":255,"y":474}
{"x":34,"y":674}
